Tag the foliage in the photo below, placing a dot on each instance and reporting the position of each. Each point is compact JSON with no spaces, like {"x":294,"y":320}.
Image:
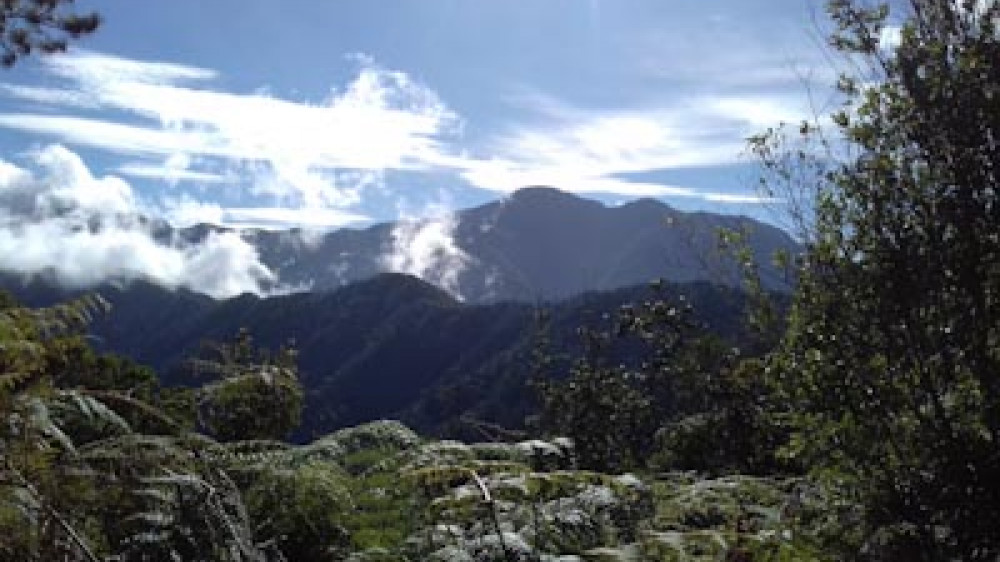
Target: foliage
{"x":889,"y":369}
{"x":658,"y":388}
{"x":81,"y":482}
{"x":735,"y":431}
{"x":305,"y":509}
{"x":256,"y":397}
{"x":44,"y":26}
{"x":95,"y":466}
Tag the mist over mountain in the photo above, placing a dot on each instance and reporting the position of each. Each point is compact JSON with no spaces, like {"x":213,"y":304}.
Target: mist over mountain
{"x":538,"y":244}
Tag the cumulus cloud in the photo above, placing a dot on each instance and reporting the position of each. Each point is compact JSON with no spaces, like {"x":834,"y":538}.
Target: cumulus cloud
{"x":80,"y":230}
{"x":426,"y":248}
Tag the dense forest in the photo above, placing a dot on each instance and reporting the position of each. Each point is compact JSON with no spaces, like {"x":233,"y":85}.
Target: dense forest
{"x":390,"y":347}
{"x":860,"y":421}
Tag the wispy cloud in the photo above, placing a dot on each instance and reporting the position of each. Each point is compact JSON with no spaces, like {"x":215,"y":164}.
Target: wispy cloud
{"x":382,"y":120}
{"x":186,"y":211}
{"x":175,"y":169}
{"x":591,"y":150}
{"x":311,"y":160}
{"x":297,"y":152}
{"x":283,"y":218}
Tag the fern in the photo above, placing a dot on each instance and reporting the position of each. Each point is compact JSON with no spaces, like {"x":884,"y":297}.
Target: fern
{"x":83,"y":476}
{"x":24,"y":332}
{"x":186,"y":516}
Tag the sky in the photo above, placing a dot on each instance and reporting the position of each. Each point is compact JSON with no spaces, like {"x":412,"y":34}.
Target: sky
{"x":325,"y":114}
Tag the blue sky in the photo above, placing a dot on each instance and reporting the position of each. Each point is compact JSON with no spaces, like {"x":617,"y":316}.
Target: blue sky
{"x":321,"y":114}
{"x":325,"y":113}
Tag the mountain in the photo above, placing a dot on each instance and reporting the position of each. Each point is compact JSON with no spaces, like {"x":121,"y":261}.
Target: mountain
{"x":389,"y":347}
{"x":375,"y":345}
{"x":539,"y":244}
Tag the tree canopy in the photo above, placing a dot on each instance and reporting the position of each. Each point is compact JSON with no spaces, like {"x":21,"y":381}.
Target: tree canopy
{"x":890,"y":369}
{"x":42,"y":26}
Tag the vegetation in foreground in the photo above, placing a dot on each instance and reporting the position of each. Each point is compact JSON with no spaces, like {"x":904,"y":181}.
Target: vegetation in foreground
{"x":102,"y":464}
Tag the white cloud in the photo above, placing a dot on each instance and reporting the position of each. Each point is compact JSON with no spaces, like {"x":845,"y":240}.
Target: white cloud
{"x":98,"y":68}
{"x":114,"y":137}
{"x":186,"y":211}
{"x":590,"y":151}
{"x":890,"y":37}
{"x":69,"y":188}
{"x":50,"y":96}
{"x":170,"y":175}
{"x":282,"y":218}
{"x":426,"y":248}
{"x":183,"y":211}
{"x":749,"y":114}
{"x":322,"y":156}
{"x":507,"y":176}
{"x":310,"y":159}
{"x":737,"y":198}
{"x":174,"y":169}
{"x":82,"y":230}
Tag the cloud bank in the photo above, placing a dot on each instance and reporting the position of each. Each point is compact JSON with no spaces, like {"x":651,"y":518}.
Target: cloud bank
{"x":64,"y":223}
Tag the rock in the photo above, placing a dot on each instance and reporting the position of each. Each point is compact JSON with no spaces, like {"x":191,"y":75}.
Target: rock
{"x":385,"y":435}
{"x":507,"y":452}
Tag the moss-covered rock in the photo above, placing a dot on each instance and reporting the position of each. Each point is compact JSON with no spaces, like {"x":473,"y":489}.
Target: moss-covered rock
{"x":379,"y":438}
{"x":422,"y":500}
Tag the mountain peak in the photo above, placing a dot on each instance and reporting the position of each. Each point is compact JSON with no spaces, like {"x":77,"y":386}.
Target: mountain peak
{"x":401,"y":287}
{"x":542,"y":193}
{"x":549,"y":199}
{"x":538,"y":191}
{"x":646,"y":203}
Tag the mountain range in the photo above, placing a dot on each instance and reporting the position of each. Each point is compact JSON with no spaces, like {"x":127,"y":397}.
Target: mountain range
{"x":458,"y":341}
{"x":389,"y":347}
{"x":538,"y":244}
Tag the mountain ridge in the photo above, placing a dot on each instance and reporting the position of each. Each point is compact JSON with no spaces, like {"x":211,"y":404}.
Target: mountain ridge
{"x":540,"y":243}
{"x":392,"y":346}
{"x":537,"y":244}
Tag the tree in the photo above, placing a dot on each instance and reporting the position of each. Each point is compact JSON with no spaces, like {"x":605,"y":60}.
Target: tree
{"x":44,"y":26}
{"x":93,"y":466}
{"x":657,"y":388}
{"x":256,"y":396}
{"x":35,"y":490}
{"x":890,"y":368}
